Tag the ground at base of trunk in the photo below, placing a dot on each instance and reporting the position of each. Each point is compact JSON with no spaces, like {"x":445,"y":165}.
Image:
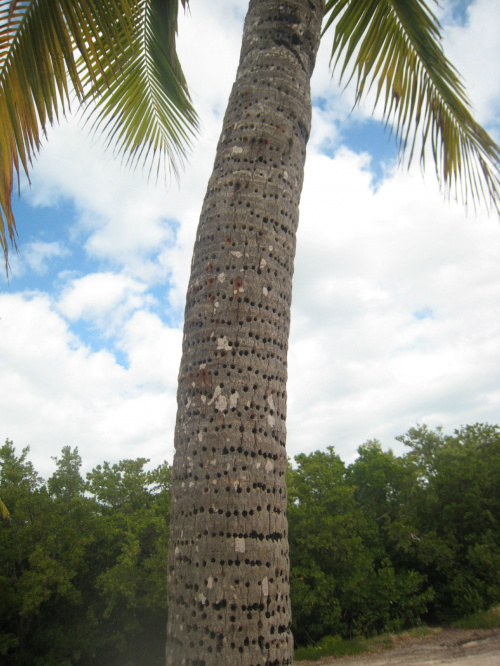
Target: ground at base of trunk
{"x":464,"y":647}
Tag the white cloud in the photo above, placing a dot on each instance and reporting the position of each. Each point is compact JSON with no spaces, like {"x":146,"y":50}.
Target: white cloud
{"x":209,"y":45}
{"x":105,"y":299}
{"x":153,"y":350}
{"x":56,"y":392}
{"x":395,"y":311}
{"x":36,"y":256}
{"x":121,"y":219}
{"x":369,"y":266}
{"x":475,"y":50}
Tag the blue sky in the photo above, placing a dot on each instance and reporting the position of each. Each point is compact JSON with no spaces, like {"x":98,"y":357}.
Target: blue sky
{"x":396,"y":292}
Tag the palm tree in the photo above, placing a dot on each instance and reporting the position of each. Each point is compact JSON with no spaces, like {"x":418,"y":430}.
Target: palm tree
{"x":116,"y":59}
{"x":228,"y":562}
{"x":228,"y":570}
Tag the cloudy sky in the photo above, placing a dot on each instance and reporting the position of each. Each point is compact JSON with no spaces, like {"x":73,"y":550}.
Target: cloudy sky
{"x":396,"y":310}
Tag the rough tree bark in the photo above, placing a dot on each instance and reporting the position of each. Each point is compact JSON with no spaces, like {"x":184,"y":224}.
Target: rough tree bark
{"x":228,"y":579}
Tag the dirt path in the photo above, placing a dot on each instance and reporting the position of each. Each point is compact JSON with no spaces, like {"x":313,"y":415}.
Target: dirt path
{"x":478,"y":647}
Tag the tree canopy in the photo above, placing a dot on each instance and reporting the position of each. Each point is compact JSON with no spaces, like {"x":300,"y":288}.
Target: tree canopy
{"x":382,"y":544}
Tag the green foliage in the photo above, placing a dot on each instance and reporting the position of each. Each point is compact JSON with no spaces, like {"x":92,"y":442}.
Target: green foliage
{"x":115,"y":58}
{"x":459,"y":516}
{"x":391,"y":541}
{"x":66,"y":483}
{"x":395,"y":48}
{"x":83,"y":564}
{"x":326,"y":549}
{"x":350,"y":534}
{"x":381,"y":545}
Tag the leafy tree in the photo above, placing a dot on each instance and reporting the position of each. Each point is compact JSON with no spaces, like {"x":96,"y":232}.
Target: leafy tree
{"x":83,"y":565}
{"x":347,"y":533}
{"x":66,"y":483}
{"x":122,"y":485}
{"x":229,"y":498}
{"x":373,"y":547}
{"x":459,"y":519}
{"x":132,"y":531}
{"x":387,"y":489}
{"x":326,"y":547}
{"x":43,"y":556}
{"x":424,"y":444}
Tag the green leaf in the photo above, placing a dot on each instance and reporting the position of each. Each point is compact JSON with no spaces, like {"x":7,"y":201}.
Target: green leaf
{"x":395,"y":45}
{"x":117,"y":58}
{"x":145,"y":111}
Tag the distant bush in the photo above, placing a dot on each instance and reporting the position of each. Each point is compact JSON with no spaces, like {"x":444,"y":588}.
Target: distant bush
{"x":390,"y":542}
{"x":83,"y":563}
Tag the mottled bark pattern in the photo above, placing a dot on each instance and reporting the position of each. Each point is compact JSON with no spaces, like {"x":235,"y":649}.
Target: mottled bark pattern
{"x":228,"y":569}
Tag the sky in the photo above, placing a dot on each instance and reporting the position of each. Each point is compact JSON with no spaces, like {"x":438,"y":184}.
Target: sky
{"x":396,"y":302}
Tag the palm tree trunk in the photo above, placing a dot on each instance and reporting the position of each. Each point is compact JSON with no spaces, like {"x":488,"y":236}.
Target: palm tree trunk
{"x":228,"y":565}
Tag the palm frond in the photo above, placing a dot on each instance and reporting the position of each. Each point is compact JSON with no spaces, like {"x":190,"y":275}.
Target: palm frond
{"x":53,"y":51}
{"x":145,"y":111}
{"x":37,"y":69}
{"x":395,"y":45}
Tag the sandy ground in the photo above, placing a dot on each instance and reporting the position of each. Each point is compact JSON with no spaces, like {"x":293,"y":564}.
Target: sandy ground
{"x":478,"y":647}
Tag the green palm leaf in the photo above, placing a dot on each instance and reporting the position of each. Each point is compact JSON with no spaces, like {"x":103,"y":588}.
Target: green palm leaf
{"x":396,"y":46}
{"x":103,"y":54}
{"x":145,"y":110}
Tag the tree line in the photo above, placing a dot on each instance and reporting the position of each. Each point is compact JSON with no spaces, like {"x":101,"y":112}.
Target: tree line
{"x":387,"y":542}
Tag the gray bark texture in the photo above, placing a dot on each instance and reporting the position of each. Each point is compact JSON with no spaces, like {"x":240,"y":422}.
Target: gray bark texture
{"x":228,"y":582}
